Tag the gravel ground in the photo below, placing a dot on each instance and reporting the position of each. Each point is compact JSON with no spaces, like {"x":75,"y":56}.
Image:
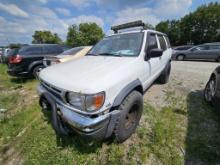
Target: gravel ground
{"x":186,"y":76}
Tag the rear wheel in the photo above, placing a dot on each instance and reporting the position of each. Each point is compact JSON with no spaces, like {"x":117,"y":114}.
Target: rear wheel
{"x":131,"y":111}
{"x":180,"y":57}
{"x":210,"y":91}
{"x":37,"y":70}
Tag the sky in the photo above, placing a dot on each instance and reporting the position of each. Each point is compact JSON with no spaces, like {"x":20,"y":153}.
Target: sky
{"x":20,"y":18}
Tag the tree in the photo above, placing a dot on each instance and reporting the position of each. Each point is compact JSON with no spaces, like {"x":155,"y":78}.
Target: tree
{"x":163,"y":26}
{"x":172,"y":29}
{"x":202,"y":25}
{"x":84,"y":34}
{"x":197,"y":27}
{"x":46,"y":37}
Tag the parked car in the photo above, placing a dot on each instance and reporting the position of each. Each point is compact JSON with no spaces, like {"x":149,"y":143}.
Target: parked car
{"x":27,"y":61}
{"x":67,"y":55}
{"x":210,"y":51}
{"x":212,"y":89}
{"x":4,"y":57}
{"x":101,"y":93}
{"x":179,"y":49}
{"x":1,"y":54}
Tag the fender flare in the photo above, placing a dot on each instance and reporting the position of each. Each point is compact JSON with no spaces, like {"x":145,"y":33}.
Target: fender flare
{"x":126,"y":90}
{"x":35,"y":63}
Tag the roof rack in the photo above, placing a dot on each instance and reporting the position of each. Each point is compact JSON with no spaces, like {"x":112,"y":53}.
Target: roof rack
{"x":129,"y":25}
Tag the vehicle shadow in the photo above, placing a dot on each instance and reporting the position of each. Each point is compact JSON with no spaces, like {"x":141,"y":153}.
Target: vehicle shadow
{"x":16,"y":80}
{"x":83,"y":144}
{"x":192,"y":60}
{"x":202,"y":143}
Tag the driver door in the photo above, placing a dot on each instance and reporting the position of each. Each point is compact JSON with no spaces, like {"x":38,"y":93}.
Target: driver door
{"x":151,"y":65}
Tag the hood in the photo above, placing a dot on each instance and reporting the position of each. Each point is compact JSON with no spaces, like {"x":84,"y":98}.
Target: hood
{"x":89,"y":74}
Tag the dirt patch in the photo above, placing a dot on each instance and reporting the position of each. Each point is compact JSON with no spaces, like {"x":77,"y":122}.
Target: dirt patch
{"x":185,"y":77}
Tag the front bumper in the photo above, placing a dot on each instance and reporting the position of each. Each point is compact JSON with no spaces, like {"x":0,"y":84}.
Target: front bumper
{"x":98,"y":127}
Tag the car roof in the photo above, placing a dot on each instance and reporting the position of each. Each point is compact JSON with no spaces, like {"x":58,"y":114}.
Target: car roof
{"x":136,"y":31}
{"x":213,"y":43}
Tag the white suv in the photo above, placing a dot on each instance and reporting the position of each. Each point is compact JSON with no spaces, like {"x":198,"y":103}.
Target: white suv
{"x":101,"y":94}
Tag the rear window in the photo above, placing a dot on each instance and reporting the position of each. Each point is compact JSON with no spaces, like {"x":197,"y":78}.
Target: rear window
{"x":52,"y":49}
{"x":162,"y":42}
{"x":72,"y":51}
{"x":31,"y":50}
{"x":13,"y":52}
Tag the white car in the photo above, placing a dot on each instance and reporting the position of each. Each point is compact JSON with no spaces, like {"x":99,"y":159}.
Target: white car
{"x":101,"y":94}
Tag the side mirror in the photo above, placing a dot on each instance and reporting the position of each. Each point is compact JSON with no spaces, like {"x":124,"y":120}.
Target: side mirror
{"x":155,"y":53}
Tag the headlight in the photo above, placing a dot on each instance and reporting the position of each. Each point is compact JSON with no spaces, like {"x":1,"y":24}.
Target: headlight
{"x":86,"y":102}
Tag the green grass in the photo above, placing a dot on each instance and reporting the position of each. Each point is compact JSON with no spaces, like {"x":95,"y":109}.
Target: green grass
{"x":185,"y":131}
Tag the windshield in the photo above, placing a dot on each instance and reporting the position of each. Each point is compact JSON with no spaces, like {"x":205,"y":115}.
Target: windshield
{"x":119,"y":45}
{"x":72,"y":51}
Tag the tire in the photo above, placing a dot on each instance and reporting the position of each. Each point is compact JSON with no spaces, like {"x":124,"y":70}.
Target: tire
{"x":180,"y":58}
{"x":165,"y":75}
{"x":210,"y":91}
{"x":36,"y":70}
{"x":131,"y":111}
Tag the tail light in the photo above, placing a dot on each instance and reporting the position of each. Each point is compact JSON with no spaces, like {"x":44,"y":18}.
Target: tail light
{"x":15,"y":59}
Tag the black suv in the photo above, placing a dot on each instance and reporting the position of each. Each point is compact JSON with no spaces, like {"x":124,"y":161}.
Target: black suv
{"x":28,"y":60}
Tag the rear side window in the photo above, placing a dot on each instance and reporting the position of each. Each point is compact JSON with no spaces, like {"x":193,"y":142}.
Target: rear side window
{"x":168,"y":42}
{"x":151,"y":42}
{"x":214,"y":47}
{"x":162,"y":42}
{"x":52,"y":49}
{"x":31,"y":50}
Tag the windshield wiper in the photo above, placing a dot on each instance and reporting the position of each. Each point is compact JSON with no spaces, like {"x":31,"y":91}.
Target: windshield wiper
{"x":110,"y":54}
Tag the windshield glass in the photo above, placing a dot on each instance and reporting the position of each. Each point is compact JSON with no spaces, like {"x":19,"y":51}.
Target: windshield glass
{"x":72,"y":51}
{"x":119,"y":45}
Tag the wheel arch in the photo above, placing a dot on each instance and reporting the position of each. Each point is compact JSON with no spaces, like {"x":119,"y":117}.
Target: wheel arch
{"x":134,"y":85}
{"x":181,"y":54}
{"x":34,"y":64}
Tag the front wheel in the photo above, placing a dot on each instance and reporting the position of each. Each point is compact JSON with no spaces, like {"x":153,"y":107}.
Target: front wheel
{"x":180,"y":57}
{"x":131,"y":111}
{"x":210,"y":91}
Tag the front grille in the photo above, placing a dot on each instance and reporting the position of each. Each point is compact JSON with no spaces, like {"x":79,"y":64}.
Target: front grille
{"x":52,"y":89}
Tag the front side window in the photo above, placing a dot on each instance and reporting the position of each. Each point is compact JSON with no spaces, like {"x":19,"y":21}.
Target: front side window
{"x":119,"y":45}
{"x":151,"y":42}
{"x":201,"y":48}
